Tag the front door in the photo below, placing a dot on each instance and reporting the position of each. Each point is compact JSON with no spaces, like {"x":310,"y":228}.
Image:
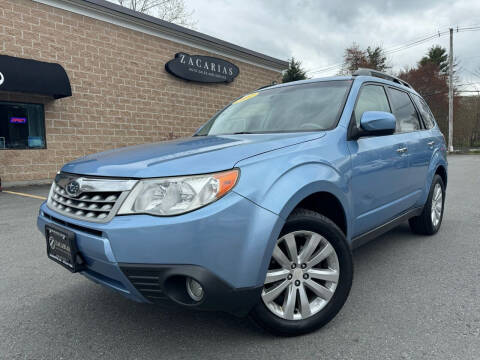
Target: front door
{"x":380,"y":167}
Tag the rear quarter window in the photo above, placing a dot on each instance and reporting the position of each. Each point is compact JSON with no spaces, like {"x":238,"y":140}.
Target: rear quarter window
{"x":425,"y":112}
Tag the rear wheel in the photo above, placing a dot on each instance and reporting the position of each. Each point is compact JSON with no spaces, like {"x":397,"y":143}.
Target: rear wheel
{"x":430,"y":220}
{"x":309,"y":276}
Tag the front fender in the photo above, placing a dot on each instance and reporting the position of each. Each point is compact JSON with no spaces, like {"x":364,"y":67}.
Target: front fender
{"x":281,"y":192}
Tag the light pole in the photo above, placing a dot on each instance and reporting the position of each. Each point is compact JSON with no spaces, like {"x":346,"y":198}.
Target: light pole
{"x":450,"y":94}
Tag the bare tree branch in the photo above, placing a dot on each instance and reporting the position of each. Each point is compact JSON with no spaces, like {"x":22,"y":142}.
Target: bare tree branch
{"x":173,"y":11}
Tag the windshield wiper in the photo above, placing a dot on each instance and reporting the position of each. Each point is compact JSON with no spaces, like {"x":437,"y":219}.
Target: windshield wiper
{"x":234,"y":133}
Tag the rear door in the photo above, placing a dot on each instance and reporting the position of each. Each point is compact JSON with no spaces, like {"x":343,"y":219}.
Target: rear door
{"x":379,"y":167}
{"x":427,"y":141}
{"x":411,"y":131}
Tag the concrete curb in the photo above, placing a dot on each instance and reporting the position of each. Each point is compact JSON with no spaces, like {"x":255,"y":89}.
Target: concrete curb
{"x":12,"y":184}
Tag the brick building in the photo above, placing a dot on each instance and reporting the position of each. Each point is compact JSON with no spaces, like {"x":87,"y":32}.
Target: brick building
{"x":121,"y":93}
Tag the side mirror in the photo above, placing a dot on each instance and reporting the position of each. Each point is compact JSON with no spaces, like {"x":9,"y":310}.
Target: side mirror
{"x":377,"y":123}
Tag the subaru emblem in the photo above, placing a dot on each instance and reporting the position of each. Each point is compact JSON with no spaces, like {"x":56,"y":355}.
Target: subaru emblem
{"x":73,"y":188}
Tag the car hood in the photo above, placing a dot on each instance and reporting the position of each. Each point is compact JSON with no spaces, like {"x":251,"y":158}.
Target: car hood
{"x":194,"y":155}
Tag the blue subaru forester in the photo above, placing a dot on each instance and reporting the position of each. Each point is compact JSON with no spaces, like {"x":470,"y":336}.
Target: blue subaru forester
{"x":258,"y":212}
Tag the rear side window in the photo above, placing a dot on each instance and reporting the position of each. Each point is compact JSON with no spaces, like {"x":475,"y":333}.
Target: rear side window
{"x":371,"y":98}
{"x":427,"y":115}
{"x":404,"y":111}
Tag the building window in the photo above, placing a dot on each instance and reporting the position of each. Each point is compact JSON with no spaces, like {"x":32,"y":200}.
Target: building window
{"x":22,"y":126}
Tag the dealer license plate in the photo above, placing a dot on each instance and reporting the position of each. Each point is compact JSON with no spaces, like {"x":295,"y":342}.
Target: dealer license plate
{"x":61,"y":247}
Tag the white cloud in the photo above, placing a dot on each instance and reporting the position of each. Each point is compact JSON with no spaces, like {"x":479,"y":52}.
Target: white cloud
{"x":317,"y":32}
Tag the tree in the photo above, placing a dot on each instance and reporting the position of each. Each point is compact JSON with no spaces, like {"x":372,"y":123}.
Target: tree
{"x":427,"y":80}
{"x":430,"y":82}
{"x":376,"y":59}
{"x":437,"y":55}
{"x":173,"y":11}
{"x":430,"y":79}
{"x":355,"y":58}
{"x":294,"y":71}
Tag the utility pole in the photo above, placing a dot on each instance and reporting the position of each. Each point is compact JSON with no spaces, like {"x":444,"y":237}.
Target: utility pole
{"x":450,"y":94}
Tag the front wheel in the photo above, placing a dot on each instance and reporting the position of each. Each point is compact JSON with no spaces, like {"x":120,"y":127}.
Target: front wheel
{"x":429,"y":221}
{"x":309,"y":276}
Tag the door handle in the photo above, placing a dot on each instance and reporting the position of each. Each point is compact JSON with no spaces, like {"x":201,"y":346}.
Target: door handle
{"x":431,"y":143}
{"x":402,"y":150}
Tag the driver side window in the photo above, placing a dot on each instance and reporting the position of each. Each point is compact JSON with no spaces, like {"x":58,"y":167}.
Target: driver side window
{"x":371,"y":98}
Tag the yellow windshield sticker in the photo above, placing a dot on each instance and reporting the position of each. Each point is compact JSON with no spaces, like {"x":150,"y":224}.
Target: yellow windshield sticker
{"x":246,"y":97}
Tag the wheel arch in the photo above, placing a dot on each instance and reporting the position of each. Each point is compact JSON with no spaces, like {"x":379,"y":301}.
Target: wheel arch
{"x":442,"y":172}
{"x":327,"y":204}
{"x":315,"y":186}
{"x":324,"y":197}
{"x":438,"y":165}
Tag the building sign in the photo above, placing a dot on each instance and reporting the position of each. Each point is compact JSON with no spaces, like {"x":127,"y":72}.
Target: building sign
{"x":205,"y":69}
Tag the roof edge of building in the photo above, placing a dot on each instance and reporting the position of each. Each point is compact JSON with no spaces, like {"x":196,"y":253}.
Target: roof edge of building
{"x":122,"y":16}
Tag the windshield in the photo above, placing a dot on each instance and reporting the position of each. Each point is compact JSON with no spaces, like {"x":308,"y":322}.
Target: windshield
{"x":307,"y":107}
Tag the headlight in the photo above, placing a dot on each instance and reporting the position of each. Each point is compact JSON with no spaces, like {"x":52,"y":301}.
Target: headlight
{"x":178,"y":195}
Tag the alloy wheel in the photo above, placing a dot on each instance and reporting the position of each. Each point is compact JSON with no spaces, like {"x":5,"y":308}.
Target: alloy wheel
{"x":437,"y":205}
{"x":302,"y":277}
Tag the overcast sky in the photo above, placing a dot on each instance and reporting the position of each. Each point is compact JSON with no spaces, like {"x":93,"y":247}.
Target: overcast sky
{"x":317,"y":32}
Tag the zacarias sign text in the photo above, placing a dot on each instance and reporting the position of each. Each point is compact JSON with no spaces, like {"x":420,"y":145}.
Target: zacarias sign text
{"x":199,"y":68}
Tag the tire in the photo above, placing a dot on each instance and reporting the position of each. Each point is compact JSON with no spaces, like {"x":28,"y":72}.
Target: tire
{"x":425,"y":224}
{"x":309,"y":312}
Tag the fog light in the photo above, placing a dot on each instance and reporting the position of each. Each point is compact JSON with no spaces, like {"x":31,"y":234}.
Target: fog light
{"x":194,"y":289}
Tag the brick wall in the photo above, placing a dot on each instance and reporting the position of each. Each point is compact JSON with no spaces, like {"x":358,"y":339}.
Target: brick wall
{"x":122,"y":94}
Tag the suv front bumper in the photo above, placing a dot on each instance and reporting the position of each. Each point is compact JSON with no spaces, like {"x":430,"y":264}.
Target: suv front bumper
{"x":226,"y":246}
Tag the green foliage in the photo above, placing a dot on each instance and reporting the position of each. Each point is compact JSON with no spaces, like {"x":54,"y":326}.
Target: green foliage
{"x":438,"y":56}
{"x":376,"y":59}
{"x":294,"y":71}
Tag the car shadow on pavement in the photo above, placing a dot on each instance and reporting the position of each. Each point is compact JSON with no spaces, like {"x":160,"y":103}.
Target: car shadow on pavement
{"x":88,"y":306}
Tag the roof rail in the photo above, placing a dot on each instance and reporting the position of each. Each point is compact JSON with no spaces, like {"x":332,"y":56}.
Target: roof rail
{"x":263,"y":87}
{"x":379,"y":74}
{"x":266,"y":86}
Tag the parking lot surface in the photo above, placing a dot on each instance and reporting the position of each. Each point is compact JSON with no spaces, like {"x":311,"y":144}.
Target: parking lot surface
{"x":413,"y":297}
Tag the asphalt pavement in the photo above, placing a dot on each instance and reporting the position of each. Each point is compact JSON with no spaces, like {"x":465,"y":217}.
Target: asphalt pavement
{"x":413,"y":297}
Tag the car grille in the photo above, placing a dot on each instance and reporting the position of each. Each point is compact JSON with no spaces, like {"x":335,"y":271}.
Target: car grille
{"x":94,"y":199}
{"x":93,"y":205}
